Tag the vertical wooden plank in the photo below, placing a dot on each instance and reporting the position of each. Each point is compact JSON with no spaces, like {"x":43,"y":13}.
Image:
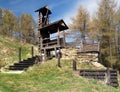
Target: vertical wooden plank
{"x":59,"y":65}
{"x":40,"y":20}
{"x":19,"y":55}
{"x":58,"y":40}
{"x":39,"y":34}
{"x":45,"y":56}
{"x":74,"y":65}
{"x":55,"y":52}
{"x":64,"y":34}
{"x":108,"y":76}
{"x":47,"y":18}
{"x":32,"y":51}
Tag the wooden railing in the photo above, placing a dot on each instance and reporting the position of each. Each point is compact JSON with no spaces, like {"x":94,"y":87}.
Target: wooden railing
{"x":90,"y":47}
{"x":46,"y":42}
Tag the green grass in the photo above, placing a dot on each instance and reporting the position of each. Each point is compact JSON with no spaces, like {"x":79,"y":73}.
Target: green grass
{"x":47,"y":77}
{"x":9,"y":50}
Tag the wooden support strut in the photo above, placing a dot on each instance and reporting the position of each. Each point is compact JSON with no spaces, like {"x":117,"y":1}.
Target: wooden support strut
{"x":59,"y":65}
{"x":74,"y":65}
{"x":19,"y":54}
{"x":108,"y":76}
{"x":64,"y":34}
{"x":40,"y":19}
{"x":55,"y":52}
{"x":45,"y":56}
{"x":58,"y":40}
{"x":32,"y":51}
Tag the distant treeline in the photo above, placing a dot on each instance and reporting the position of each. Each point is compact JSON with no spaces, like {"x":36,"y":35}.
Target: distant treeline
{"x":22,"y":28}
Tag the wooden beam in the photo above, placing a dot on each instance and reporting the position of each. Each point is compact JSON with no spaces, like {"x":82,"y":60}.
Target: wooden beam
{"x":64,"y":35}
{"x":58,"y":40}
{"x":45,"y":56}
{"x":74,"y":65}
{"x":108,"y":76}
{"x":55,"y":52}
{"x":32,"y":51}
{"x":19,"y":55}
{"x":59,"y":65}
{"x":40,"y":20}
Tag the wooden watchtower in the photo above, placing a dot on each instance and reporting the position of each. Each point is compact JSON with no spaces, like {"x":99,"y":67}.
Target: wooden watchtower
{"x":46,"y":29}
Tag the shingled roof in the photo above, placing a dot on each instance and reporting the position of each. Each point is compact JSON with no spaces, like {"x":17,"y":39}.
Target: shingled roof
{"x":52,"y":28}
{"x":43,"y":10}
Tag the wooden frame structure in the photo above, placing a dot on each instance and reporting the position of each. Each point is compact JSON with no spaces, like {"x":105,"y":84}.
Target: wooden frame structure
{"x":46,"y":29}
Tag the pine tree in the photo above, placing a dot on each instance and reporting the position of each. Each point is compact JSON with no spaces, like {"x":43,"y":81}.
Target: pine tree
{"x":117,"y":32}
{"x":80,"y":23}
{"x":10,"y":21}
{"x":106,"y":26}
{"x":27,"y":28}
{"x":1,"y":20}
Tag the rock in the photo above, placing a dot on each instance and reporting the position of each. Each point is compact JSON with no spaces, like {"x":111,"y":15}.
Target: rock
{"x":97,"y":64}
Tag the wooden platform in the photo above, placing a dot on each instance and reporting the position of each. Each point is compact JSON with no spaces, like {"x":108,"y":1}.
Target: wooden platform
{"x":90,"y":48}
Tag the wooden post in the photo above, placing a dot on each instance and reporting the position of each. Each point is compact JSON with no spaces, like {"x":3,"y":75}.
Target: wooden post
{"x":55,"y":52}
{"x":40,"y":20}
{"x":58,"y":40}
{"x":108,"y":76}
{"x":74,"y":65}
{"x":59,"y":65}
{"x":45,"y":57}
{"x":64,"y":34}
{"x":39,"y":34}
{"x":19,"y":54}
{"x":32,"y":51}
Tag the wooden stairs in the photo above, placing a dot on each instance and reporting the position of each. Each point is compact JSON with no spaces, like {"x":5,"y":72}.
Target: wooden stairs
{"x":23,"y":65}
{"x":109,"y":76}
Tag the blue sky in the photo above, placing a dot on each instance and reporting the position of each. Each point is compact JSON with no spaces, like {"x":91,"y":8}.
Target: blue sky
{"x":61,"y":9}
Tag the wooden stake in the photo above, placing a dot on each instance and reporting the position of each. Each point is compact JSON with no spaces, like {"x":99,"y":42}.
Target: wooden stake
{"x":32,"y":51}
{"x":74,"y":65}
{"x":19,"y":56}
{"x":59,"y":65}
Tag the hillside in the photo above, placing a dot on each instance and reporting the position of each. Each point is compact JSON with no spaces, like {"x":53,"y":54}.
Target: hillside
{"x":47,"y":77}
{"x":44,"y":77}
{"x":9,"y":50}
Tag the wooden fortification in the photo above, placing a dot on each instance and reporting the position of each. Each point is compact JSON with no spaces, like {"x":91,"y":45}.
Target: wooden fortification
{"x":46,"y":29}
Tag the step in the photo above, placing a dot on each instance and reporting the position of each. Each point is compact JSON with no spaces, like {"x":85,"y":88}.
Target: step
{"x":31,"y":58}
{"x":23,"y":64}
{"x":114,"y":84}
{"x":114,"y":81}
{"x":96,"y":77}
{"x":17,"y":68}
{"x":30,"y":62}
{"x":27,"y":61}
{"x":87,"y":70}
{"x":92,"y":74}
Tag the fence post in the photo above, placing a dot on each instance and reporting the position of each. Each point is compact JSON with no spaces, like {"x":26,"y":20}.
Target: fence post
{"x":74,"y":65}
{"x":19,"y":56}
{"x":59,"y":59}
{"x":32,"y":51}
{"x":108,"y":76}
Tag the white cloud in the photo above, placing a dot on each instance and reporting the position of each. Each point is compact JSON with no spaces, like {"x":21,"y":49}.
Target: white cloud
{"x":14,"y":2}
{"x":90,"y":5}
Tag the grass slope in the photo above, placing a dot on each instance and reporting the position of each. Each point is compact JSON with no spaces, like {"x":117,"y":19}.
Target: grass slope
{"x":47,"y":77}
{"x":9,"y":50}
